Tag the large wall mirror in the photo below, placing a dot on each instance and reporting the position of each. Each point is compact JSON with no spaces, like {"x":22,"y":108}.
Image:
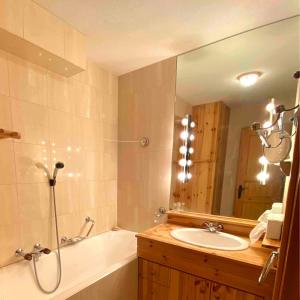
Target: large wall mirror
{"x":218,"y":101}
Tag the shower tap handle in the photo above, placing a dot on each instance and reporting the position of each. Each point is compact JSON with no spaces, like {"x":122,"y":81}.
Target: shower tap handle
{"x":26,"y":256}
{"x":37,"y":248}
{"x":46,"y":251}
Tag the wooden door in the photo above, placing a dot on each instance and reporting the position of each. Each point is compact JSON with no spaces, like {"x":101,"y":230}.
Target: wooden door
{"x":223,"y":292}
{"x":254,"y":198}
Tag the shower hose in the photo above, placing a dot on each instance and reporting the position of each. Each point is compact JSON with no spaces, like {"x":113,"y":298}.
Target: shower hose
{"x":57,"y":254}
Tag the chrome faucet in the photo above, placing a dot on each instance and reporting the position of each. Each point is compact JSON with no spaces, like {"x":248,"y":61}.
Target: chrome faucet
{"x":36,"y":252}
{"x":213,"y":227}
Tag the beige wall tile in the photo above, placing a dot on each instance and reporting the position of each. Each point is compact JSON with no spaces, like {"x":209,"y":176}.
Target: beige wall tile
{"x":7,"y":163}
{"x":28,"y":157}
{"x":146,"y":100}
{"x":9,"y":212}
{"x":4,"y":87}
{"x":60,"y":128}
{"x":5,"y":112}
{"x":9,"y":241}
{"x":58,"y":93}
{"x":27,"y":81}
{"x":67,"y":194}
{"x":31,"y":120}
{"x":34,"y":201}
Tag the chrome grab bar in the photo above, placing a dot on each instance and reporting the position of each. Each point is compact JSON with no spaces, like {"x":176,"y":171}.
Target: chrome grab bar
{"x":266,"y":269}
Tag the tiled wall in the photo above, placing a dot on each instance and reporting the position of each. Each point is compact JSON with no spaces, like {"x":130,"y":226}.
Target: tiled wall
{"x":146,"y":108}
{"x":70,"y":120}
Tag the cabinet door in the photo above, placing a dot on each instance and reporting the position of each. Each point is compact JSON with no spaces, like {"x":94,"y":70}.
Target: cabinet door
{"x":11,"y":16}
{"x":223,"y":292}
{"x":193,"y":288}
{"x":43,"y":29}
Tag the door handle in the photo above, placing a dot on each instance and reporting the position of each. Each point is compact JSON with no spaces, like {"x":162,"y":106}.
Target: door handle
{"x":267,"y":267}
{"x":240,"y":190}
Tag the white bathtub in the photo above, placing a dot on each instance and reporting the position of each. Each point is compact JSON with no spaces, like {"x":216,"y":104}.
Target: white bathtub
{"x":83,"y":264}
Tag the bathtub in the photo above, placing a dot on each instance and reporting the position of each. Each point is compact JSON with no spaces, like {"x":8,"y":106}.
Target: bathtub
{"x":92,"y":261}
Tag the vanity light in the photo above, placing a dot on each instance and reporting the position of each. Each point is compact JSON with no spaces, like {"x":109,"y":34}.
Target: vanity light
{"x":263,"y":177}
{"x":263,"y":160}
{"x":182,"y":162}
{"x":184,"y":121}
{"x":248,"y":79}
{"x":184,"y":135}
{"x":267,"y":124}
{"x":186,"y":150}
{"x":270,"y":107}
{"x":181,"y":176}
{"x":182,"y":149}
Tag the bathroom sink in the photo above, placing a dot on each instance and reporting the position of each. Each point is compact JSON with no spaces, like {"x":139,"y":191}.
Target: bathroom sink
{"x":213,"y":240}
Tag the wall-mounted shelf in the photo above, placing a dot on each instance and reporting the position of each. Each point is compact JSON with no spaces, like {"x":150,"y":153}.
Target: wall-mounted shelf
{"x":7,"y":134}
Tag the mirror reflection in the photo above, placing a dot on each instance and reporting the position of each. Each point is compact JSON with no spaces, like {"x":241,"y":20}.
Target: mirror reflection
{"x":223,"y":88}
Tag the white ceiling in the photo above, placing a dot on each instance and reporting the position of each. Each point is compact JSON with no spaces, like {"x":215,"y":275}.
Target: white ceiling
{"x":209,"y":74}
{"x":124,"y":35}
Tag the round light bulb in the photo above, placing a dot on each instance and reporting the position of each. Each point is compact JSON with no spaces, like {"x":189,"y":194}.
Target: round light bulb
{"x":193,"y":124}
{"x":182,"y":149}
{"x":270,"y":107}
{"x":263,"y":176}
{"x":184,"y":122}
{"x":191,"y":150}
{"x":192,"y":137}
{"x":182,"y":162}
{"x":184,"y":135}
{"x":189,"y":162}
{"x":181,"y":176}
{"x":189,"y":175}
{"x":263,"y":160}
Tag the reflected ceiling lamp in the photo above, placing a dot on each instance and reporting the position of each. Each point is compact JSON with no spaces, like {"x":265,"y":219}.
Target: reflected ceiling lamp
{"x":249,"y":78}
{"x":186,"y":149}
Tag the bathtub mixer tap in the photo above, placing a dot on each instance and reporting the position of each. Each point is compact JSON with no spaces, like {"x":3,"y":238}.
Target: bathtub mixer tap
{"x":36,"y":252}
{"x":65,"y":241}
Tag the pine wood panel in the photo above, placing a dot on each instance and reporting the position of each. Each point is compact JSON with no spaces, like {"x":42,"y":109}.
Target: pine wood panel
{"x":202,"y":193}
{"x":157,"y":282}
{"x":223,"y":292}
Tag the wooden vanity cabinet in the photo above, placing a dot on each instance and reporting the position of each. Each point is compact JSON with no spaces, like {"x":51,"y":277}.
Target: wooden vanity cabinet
{"x":157,"y":282}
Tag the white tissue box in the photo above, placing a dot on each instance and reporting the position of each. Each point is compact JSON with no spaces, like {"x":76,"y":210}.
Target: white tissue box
{"x":274,"y":226}
{"x":277,"y":208}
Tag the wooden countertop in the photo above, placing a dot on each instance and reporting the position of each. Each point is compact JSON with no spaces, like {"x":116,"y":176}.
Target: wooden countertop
{"x":255,"y":255}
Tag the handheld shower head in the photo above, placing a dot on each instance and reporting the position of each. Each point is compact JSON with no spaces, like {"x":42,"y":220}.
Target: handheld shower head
{"x":58,"y":165}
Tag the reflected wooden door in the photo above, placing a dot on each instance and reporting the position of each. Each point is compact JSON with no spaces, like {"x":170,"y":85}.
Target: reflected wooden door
{"x":252,"y":198}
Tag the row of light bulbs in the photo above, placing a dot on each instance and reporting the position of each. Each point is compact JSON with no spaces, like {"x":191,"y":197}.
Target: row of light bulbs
{"x":186,"y":150}
{"x":264,"y":175}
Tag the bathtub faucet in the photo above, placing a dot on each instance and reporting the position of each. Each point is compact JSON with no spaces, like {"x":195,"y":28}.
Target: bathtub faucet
{"x":65,"y":241}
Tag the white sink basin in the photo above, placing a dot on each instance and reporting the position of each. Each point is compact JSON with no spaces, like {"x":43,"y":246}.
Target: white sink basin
{"x":214,"y":240}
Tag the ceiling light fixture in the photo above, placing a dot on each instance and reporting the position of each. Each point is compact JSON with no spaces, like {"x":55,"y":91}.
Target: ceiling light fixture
{"x":248,"y":79}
